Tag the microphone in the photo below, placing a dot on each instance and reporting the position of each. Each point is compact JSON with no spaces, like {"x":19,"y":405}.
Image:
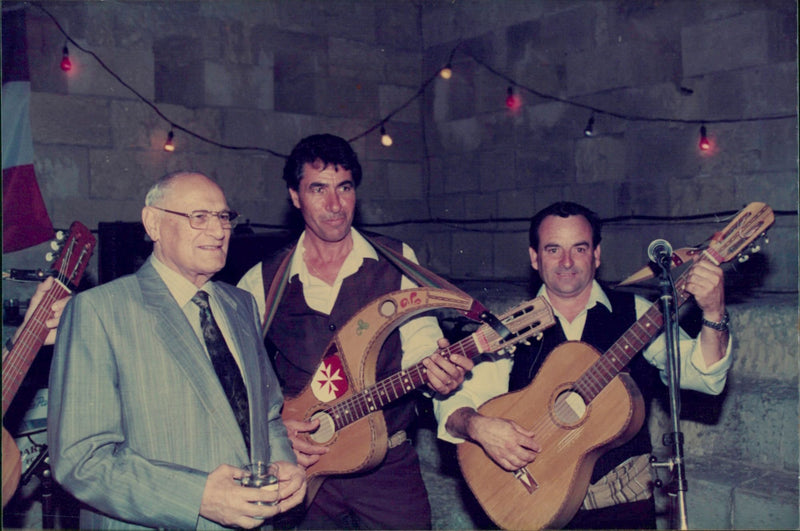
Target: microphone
{"x":660,"y":252}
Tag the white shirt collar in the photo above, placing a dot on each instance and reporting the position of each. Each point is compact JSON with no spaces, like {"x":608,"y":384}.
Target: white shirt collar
{"x":361,"y":250}
{"x":180,"y":288}
{"x":596,"y":296}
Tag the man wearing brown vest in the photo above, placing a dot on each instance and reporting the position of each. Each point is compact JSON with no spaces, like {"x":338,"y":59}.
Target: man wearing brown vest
{"x":331,"y":273}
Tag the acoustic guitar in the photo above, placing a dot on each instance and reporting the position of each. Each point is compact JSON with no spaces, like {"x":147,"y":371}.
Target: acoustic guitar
{"x":580,"y":405}
{"x":68,"y":268}
{"x":347,"y":400}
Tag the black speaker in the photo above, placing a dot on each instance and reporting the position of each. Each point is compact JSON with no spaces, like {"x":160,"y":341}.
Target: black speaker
{"x":124,"y":247}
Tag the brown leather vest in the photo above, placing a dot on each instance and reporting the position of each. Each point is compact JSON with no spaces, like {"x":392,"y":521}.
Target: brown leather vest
{"x":298,"y":335}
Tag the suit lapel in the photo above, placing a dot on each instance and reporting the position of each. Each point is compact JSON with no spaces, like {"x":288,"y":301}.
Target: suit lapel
{"x":180,"y":341}
{"x":244,"y":341}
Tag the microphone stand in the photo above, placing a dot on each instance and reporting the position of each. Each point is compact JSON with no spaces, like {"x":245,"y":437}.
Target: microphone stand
{"x":41,"y":469}
{"x":677,"y":487}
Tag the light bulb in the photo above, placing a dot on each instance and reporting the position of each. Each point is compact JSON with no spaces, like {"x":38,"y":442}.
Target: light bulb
{"x":168,"y":145}
{"x":513,"y":101}
{"x":589,"y":131}
{"x":66,"y":64}
{"x":705,"y":144}
{"x":386,"y":140}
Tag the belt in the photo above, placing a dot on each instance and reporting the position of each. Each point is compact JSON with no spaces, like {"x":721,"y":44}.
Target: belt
{"x":397,"y":438}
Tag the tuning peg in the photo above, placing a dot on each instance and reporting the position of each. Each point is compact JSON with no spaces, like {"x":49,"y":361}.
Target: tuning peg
{"x":539,"y":336}
{"x":744,"y":258}
{"x":765,"y":238}
{"x":755,"y":248}
{"x":49,"y":257}
{"x":527,"y":343}
{"x":54,"y":245}
{"x":60,"y":235}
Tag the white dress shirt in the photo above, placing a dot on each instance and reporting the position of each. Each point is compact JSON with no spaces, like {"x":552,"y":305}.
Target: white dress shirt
{"x":490,"y":378}
{"x":418,"y":336}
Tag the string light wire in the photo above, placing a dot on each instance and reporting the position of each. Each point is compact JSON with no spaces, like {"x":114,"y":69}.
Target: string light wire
{"x":420,"y":92}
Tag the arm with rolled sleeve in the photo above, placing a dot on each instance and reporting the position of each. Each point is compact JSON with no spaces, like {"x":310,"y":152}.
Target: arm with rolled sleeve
{"x":489,"y":379}
{"x":694,"y":372}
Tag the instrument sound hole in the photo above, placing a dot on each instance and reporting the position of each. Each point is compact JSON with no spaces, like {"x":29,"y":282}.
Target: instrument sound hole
{"x":326,"y":429}
{"x":569,"y":408}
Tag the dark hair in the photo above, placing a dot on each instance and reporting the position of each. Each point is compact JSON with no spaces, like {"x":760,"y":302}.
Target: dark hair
{"x":328,"y":149}
{"x":564,"y":209}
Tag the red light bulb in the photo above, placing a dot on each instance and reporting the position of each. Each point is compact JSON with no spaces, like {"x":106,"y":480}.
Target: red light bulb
{"x":66,"y":64}
{"x":705,"y":144}
{"x":513,"y":102}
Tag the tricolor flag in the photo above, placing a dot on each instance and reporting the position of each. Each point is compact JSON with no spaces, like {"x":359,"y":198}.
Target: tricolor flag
{"x":25,"y":219}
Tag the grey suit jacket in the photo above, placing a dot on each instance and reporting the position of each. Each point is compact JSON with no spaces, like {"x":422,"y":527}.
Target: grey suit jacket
{"x":137,"y":417}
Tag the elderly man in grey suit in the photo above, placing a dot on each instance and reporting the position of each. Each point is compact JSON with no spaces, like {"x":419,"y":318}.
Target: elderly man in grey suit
{"x":145,"y":425}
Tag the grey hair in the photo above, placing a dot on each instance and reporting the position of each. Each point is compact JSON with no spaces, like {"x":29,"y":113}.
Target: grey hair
{"x":162,"y":186}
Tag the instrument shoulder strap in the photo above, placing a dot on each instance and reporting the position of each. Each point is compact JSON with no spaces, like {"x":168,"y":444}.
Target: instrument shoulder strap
{"x":424,"y":277}
{"x":276,"y":287}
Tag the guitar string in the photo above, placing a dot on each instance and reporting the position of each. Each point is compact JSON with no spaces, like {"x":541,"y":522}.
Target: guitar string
{"x":36,"y":324}
{"x":544,"y":427}
{"x":342,"y":412}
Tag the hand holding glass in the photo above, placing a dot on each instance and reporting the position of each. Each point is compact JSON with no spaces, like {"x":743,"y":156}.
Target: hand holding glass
{"x":261,"y":475}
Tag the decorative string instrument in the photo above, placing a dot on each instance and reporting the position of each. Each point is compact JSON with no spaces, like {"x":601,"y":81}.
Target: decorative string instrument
{"x":67,"y":269}
{"x":580,"y":405}
{"x":344,"y":395}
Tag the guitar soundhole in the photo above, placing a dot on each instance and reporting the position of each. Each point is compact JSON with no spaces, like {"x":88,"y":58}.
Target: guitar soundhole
{"x":569,"y":408}
{"x":326,"y":429}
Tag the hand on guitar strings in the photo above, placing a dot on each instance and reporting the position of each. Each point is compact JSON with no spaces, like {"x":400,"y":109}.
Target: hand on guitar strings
{"x":507,"y":443}
{"x":307,"y":452}
{"x":445,"y":375}
{"x":57,"y":308}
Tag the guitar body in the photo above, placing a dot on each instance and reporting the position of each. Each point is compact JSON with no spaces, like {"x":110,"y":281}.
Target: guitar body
{"x":357,"y":446}
{"x":12,"y":466}
{"x":357,"y":435}
{"x":581,"y":404}
{"x":572,"y":440}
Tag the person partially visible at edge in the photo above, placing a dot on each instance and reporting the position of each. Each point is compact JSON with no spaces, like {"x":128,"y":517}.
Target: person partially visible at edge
{"x":140,"y":429}
{"x":333,"y":273}
{"x":565,"y":251}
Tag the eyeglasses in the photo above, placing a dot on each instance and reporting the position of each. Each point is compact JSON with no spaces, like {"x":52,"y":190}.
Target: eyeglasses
{"x":198,"y":219}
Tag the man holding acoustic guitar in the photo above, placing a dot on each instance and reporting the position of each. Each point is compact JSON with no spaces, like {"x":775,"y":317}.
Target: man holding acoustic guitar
{"x":565,"y":251}
{"x":12,"y":463}
{"x":307,"y":293}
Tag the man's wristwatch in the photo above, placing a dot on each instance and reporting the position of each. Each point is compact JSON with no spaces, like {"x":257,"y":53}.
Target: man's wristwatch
{"x":721,"y":326}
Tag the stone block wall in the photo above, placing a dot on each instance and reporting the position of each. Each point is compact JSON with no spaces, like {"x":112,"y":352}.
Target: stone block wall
{"x":464,"y":174}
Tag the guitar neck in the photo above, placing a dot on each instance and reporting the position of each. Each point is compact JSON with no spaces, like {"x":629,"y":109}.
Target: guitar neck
{"x":640,"y":333}
{"x":31,"y":338}
{"x":401,"y":383}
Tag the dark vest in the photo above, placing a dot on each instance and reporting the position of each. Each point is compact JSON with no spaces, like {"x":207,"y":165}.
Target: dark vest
{"x":298,"y":334}
{"x":601,"y":331}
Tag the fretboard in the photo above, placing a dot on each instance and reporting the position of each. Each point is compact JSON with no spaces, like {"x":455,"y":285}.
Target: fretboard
{"x":31,"y":337}
{"x":396,"y":386}
{"x":635,"y":338}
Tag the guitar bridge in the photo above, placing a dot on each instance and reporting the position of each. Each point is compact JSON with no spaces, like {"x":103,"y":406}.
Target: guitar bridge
{"x":524,"y":477}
